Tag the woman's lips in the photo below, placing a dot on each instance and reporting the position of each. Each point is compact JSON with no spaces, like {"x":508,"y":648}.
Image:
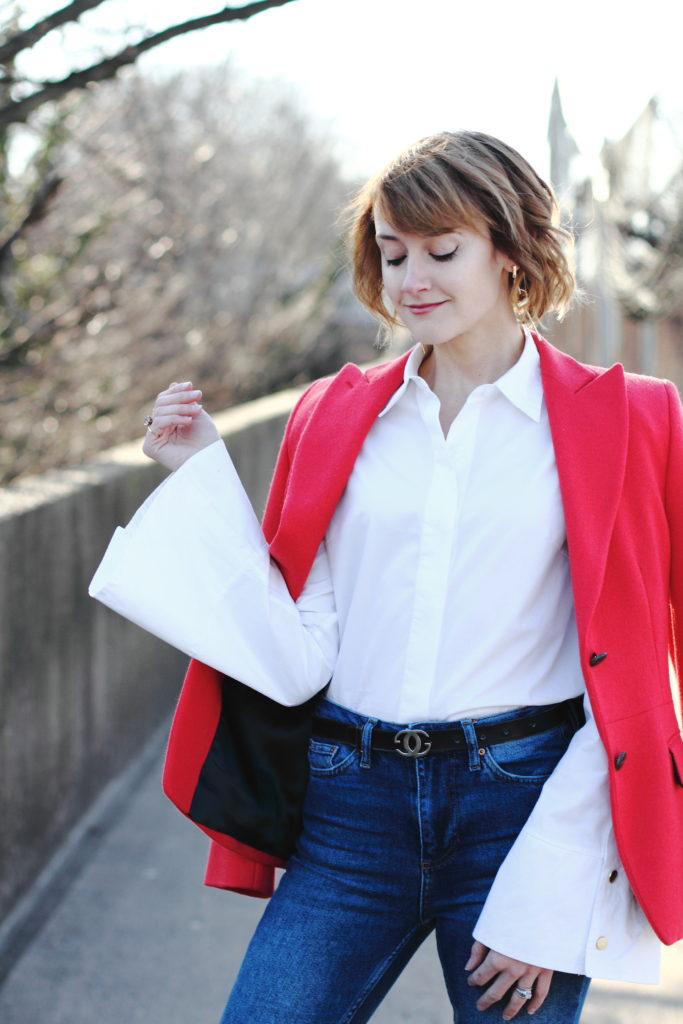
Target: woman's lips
{"x":427,"y":307}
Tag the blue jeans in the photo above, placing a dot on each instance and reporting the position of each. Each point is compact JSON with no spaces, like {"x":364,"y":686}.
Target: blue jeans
{"x":393,"y":848}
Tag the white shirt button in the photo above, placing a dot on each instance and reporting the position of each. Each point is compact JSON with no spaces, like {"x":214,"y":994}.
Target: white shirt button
{"x":602,"y":942}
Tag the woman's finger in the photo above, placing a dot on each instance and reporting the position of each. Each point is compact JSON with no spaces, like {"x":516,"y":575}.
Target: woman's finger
{"x":497,"y":990}
{"x":164,"y":417}
{"x":161,"y":425}
{"x":175,"y":392}
{"x":518,"y":999}
{"x":541,"y":989}
{"x":491,"y":965}
{"x":504,"y":976}
{"x":177,"y":397}
{"x":191,"y":409}
{"x":177,"y":389}
{"x":477,"y":955}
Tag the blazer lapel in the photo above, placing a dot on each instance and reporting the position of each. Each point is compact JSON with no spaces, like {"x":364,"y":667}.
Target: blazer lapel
{"x":322,"y":462}
{"x":588,"y":415}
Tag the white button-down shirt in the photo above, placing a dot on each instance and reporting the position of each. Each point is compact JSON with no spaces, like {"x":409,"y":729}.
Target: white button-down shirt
{"x":448,"y":558}
{"x":442,"y":591}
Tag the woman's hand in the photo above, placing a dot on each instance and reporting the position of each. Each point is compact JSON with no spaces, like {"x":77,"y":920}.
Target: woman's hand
{"x":179,"y":426}
{"x":486,"y":965}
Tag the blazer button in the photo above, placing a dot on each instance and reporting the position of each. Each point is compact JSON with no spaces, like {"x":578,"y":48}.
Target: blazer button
{"x":619,"y":760}
{"x":602,"y":942}
{"x":595,"y":659}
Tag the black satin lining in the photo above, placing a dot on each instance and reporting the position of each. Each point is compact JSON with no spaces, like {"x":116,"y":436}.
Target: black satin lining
{"x":253,"y":781}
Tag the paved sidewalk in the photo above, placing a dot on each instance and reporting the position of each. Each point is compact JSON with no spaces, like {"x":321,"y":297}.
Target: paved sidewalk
{"x":137,"y":938}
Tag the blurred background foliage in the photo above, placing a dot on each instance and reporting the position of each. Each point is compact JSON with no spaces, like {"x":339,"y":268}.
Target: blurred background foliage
{"x":162,"y":228}
{"x":184,"y":225}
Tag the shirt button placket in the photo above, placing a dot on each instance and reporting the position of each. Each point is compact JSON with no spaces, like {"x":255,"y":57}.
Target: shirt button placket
{"x":432,"y":571}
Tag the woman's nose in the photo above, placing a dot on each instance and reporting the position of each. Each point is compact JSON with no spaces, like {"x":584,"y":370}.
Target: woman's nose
{"x":416,"y":278}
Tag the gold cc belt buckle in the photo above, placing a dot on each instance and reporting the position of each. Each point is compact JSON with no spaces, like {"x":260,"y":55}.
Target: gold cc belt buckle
{"x":412,"y":742}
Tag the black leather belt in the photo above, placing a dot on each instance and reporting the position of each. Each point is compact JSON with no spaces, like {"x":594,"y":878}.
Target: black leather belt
{"x":418,"y":742}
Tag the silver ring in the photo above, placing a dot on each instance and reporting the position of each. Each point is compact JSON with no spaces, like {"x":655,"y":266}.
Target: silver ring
{"x":147,"y":422}
{"x":524,"y":993}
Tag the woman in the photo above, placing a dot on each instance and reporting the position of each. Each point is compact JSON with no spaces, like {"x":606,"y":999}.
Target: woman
{"x":495,"y":731}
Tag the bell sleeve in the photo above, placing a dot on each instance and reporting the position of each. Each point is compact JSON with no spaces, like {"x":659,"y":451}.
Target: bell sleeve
{"x":193,"y":568}
{"x":561,"y":899}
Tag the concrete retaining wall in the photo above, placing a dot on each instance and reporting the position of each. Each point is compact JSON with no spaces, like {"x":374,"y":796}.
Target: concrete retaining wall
{"x":81,"y":689}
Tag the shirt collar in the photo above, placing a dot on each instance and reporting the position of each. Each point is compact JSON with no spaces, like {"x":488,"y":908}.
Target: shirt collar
{"x":521,"y":384}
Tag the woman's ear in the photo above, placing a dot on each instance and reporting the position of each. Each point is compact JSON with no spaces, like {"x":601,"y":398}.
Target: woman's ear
{"x":507,"y":263}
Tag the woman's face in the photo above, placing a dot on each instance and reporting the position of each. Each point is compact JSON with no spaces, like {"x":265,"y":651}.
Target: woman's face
{"x":447,"y":285}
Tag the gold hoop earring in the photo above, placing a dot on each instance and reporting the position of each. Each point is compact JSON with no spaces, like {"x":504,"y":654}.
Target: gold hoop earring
{"x":514,"y":274}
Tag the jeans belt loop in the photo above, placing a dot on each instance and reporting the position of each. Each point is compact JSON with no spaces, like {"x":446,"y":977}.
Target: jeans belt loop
{"x":472,"y":744}
{"x":575,"y":712}
{"x":366,"y":743}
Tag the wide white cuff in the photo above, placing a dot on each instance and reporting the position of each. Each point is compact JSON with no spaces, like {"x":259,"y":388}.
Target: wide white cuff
{"x":193,"y":568}
{"x":561,"y":898}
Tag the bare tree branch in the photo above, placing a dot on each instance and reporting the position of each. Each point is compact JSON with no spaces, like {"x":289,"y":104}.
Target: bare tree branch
{"x":18,"y":111}
{"x":37,"y":208}
{"x":30,"y":36}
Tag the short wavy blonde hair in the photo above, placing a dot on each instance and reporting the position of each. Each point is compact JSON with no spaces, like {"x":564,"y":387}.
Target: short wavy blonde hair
{"x":459,"y":179}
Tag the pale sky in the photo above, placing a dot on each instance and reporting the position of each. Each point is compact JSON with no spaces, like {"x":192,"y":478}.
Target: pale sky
{"x":379,"y":74}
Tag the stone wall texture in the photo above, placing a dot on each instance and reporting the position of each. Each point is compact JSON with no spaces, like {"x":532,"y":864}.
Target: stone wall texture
{"x":80,"y":688}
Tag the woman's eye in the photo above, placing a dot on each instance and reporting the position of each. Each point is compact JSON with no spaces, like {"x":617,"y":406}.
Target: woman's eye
{"x":444,"y":257}
{"x":396,"y":261}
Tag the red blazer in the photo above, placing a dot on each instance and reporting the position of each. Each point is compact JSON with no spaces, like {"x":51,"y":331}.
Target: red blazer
{"x":618,"y":441}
